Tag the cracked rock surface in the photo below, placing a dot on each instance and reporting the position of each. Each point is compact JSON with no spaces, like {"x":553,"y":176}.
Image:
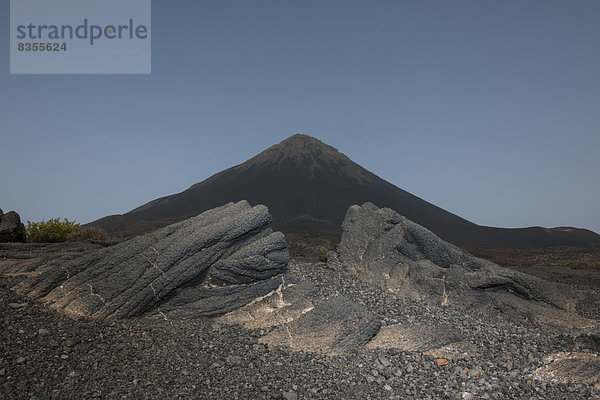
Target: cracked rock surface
{"x":209,"y":264}
{"x":334,"y":326}
{"x":302,"y":321}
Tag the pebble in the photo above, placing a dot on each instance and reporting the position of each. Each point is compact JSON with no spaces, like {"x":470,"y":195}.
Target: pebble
{"x":290,"y":395}
{"x":384,"y":361}
{"x":441,"y":362}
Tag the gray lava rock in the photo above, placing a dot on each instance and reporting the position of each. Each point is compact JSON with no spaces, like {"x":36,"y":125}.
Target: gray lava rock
{"x":288,"y":302}
{"x":414,"y":338}
{"x":581,"y":368}
{"x":11,"y":228}
{"x":335,"y":326}
{"x":206,"y":265}
{"x":382,"y":247}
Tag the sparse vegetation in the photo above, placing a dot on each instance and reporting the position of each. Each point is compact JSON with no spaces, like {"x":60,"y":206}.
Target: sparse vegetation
{"x":52,"y":231}
{"x":323,"y":258}
{"x":82,"y":233}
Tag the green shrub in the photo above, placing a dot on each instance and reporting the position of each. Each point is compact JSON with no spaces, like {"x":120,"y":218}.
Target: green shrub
{"x":82,"y":233}
{"x":52,"y":231}
{"x":323,"y":258}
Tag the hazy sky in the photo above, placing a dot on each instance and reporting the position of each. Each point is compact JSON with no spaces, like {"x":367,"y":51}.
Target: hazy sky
{"x":488,"y":109}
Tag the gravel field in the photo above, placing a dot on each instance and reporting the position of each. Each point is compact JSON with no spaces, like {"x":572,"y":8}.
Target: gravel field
{"x":44,"y":354}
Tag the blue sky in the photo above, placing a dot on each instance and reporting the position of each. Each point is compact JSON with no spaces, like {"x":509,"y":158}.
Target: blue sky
{"x":488,"y":109}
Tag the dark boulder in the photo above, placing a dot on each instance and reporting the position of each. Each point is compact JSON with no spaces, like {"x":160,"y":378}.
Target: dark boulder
{"x":11,"y":228}
{"x":206,"y":265}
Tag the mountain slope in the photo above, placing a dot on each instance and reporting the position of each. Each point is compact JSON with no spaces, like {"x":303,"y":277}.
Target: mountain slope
{"x":308,"y":186}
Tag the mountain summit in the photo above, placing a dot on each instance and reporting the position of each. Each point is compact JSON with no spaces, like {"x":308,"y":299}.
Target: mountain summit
{"x":306,"y":154}
{"x":308,"y":186}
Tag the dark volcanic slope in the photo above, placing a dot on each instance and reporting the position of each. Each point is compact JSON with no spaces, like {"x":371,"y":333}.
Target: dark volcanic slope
{"x":308,"y":186}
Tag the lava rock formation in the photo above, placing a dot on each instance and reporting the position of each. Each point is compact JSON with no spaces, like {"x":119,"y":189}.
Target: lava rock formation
{"x":209,"y":264}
